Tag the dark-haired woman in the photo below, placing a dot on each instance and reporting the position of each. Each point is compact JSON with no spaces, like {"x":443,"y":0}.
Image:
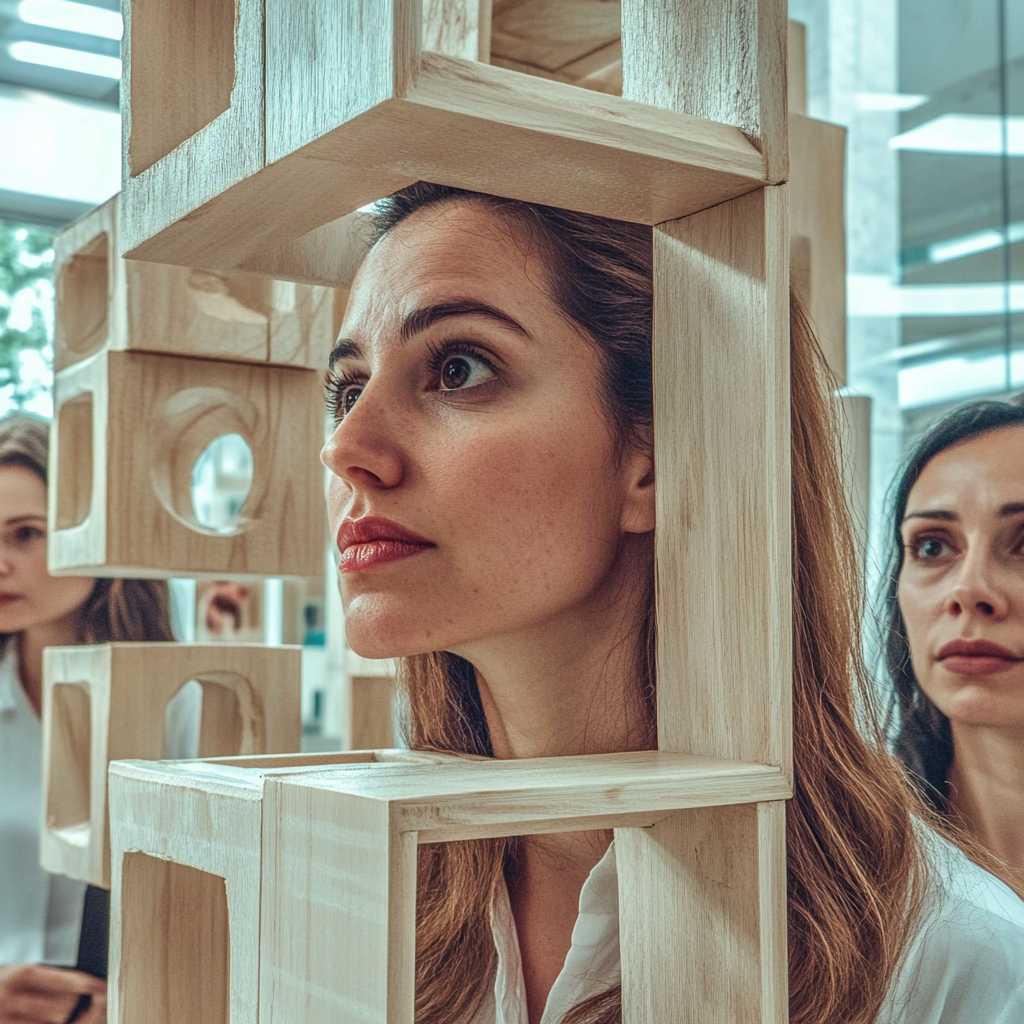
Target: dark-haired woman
{"x":955,"y":625}
{"x":40,"y":913}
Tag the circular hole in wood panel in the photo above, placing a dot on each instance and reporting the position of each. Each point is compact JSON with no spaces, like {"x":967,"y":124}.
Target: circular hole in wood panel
{"x":221,"y":483}
{"x":205,"y":467}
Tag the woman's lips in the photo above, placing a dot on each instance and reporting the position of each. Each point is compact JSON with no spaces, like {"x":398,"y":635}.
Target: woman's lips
{"x":6,"y":599}
{"x":358,"y":557}
{"x":977,"y":664}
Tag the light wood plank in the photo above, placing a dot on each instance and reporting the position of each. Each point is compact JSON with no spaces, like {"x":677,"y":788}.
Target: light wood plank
{"x":719,"y":953}
{"x":460,"y":28}
{"x":724,"y":60}
{"x":722,"y":463}
{"x":818,"y":231}
{"x":351,"y":876}
{"x":796,"y":64}
{"x":485,"y":798}
{"x":178,"y":152}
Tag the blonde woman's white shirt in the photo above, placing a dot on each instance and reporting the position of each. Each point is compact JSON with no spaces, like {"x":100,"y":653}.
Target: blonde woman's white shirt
{"x":964,"y":965}
{"x":41,"y":913}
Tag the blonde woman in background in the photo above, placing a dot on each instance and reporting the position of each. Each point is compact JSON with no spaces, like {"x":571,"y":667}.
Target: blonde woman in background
{"x":40,"y":913}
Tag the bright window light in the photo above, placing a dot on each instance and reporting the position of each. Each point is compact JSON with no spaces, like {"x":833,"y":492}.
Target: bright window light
{"x":71,"y":17}
{"x":875,"y":295}
{"x":978,"y":241}
{"x":955,"y":377}
{"x":965,"y":133}
{"x":889,"y":102}
{"x":82,"y":61}
{"x":65,"y":149}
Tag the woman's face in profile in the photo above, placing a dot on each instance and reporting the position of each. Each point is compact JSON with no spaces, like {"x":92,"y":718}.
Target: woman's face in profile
{"x":467,"y":410}
{"x":961,"y":589}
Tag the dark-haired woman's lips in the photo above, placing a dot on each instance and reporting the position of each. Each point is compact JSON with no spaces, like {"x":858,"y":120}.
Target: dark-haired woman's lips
{"x":6,"y":599}
{"x":977,"y":664}
{"x":976,"y":657}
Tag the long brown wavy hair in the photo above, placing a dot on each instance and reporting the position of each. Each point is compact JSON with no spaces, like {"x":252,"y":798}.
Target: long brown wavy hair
{"x":856,"y":877}
{"x":116,"y":609}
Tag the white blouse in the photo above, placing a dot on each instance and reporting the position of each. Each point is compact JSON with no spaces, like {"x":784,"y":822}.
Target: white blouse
{"x":41,"y":913}
{"x":965,"y":964}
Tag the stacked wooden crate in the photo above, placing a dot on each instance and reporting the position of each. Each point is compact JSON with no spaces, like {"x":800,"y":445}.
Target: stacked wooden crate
{"x":153,"y":364}
{"x":247,"y":155}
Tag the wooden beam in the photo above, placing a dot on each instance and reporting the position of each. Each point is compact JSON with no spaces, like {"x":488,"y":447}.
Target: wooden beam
{"x":722,"y":464}
{"x":722,"y":60}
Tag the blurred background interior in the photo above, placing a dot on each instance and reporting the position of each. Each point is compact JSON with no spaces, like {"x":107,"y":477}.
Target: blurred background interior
{"x":931,"y":92}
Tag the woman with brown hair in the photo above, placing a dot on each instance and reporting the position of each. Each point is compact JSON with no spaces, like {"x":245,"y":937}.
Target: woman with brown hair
{"x":954,"y":624}
{"x":493,"y":499}
{"x":41,"y":914}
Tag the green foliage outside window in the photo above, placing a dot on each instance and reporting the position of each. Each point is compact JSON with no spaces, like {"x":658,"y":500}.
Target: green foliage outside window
{"x":26,"y":321}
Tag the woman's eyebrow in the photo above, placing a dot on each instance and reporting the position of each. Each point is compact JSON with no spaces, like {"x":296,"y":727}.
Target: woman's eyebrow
{"x":426,"y":316}
{"x":1010,"y":509}
{"x":14,"y":520}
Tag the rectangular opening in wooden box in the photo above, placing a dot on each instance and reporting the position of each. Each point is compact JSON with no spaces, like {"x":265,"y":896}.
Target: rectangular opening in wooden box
{"x":68,"y":802}
{"x":182,"y":73}
{"x":175,"y":928}
{"x":574,"y":41}
{"x":83,"y":295}
{"x":74,"y":474}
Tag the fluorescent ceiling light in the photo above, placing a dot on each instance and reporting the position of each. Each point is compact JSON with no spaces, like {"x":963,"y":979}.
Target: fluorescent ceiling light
{"x":71,"y":17}
{"x":978,"y":241}
{"x":965,"y":133}
{"x":889,"y":102}
{"x":67,"y":149}
{"x":82,"y":61}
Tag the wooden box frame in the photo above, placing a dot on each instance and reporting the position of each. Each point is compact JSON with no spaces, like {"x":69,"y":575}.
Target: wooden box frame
{"x":703,"y":158}
{"x":205,"y":818}
{"x":392,"y":96}
{"x":105,"y":302}
{"x":251,"y":697}
{"x":331,"y":842}
{"x":128,"y":427}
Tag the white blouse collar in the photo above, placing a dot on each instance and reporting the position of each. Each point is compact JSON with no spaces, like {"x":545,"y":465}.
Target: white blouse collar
{"x":592,"y":964}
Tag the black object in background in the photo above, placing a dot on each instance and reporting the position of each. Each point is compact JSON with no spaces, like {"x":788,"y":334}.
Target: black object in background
{"x":92,"y":942}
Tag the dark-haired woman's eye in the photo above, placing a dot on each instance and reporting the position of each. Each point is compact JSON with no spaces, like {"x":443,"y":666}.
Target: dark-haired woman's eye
{"x":927,"y":549}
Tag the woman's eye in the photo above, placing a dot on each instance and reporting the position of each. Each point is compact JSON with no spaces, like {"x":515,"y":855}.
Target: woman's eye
{"x":347,"y":397}
{"x":27,"y":534}
{"x":928,"y":548}
{"x":458,"y":372}
{"x":340,"y":394}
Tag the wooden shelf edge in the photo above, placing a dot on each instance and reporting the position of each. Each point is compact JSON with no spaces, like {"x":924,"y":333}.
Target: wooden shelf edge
{"x":457,"y":117}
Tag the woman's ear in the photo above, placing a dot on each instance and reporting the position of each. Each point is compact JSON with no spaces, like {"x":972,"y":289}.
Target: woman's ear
{"x":638,"y":505}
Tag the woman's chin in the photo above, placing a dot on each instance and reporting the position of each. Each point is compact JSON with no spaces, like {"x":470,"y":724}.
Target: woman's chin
{"x":379,"y":643}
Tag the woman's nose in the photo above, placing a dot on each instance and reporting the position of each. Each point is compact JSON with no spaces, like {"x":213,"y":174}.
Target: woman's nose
{"x":976,"y":590}
{"x":361,"y":449}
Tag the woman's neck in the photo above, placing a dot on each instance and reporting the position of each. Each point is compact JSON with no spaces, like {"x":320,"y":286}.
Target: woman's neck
{"x":570,"y":687}
{"x":31,"y":643}
{"x":987,"y":790}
